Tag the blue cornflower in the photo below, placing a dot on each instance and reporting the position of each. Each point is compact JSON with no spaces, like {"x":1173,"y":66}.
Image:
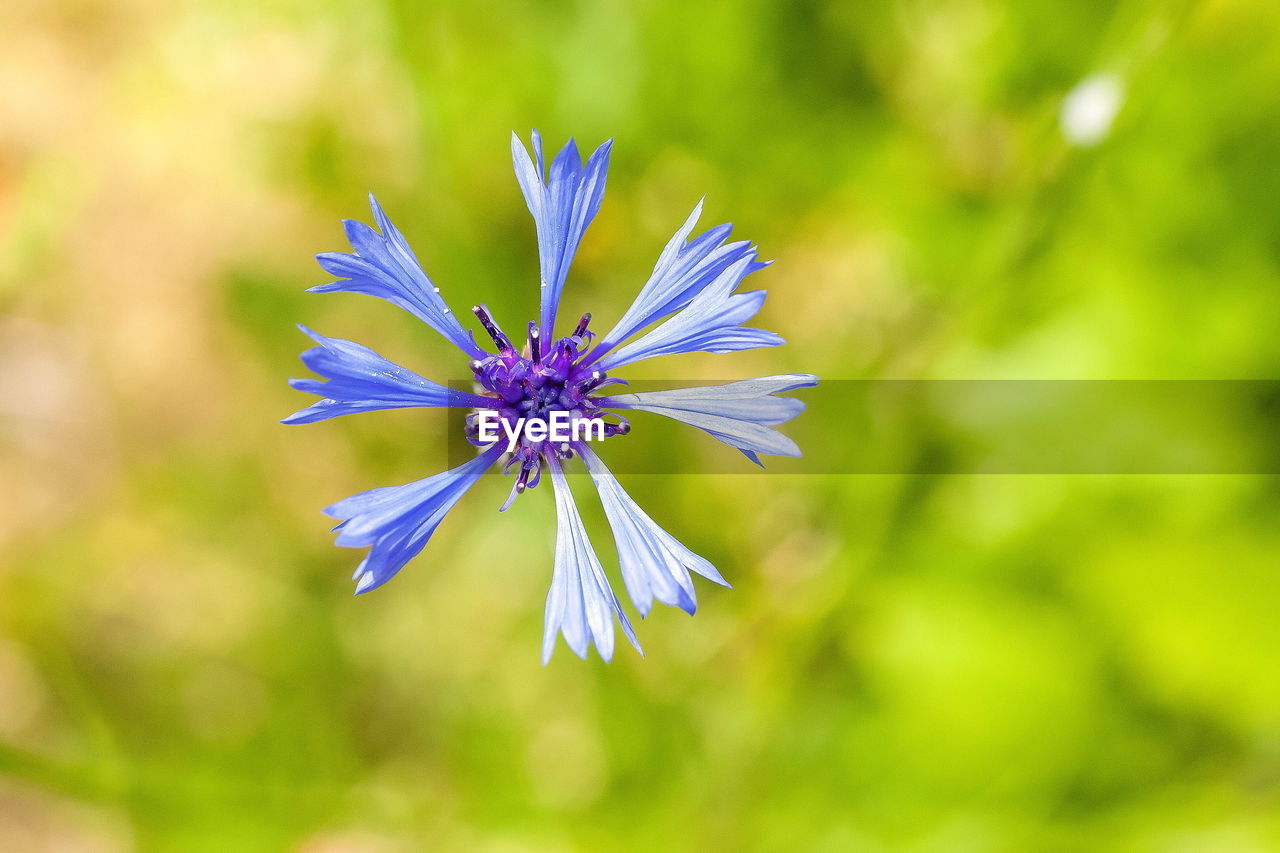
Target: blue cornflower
{"x":692,"y":291}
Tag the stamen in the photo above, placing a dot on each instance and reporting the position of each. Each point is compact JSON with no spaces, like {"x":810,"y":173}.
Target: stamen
{"x":582,"y":325}
{"x":522,"y":482}
{"x":503,"y":342}
{"x":621,"y":428}
{"x":597,"y":377}
{"x":511,"y":498}
{"x":535,"y":345}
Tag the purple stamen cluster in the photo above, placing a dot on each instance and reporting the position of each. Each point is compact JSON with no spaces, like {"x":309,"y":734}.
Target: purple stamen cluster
{"x":532,"y":383}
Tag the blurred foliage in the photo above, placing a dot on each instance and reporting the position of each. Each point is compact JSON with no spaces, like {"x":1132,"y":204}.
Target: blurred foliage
{"x":905,"y":663}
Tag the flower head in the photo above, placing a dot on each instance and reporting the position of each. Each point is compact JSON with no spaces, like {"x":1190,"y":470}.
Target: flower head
{"x":534,"y":382}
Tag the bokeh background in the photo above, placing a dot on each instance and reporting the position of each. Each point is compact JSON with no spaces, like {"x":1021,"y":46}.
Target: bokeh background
{"x":951,"y":188}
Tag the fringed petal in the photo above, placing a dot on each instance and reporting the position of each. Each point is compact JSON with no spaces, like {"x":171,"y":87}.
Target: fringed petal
{"x":580,"y":604}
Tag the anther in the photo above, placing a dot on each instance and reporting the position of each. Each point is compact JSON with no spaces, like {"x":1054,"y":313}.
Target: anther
{"x":503,"y":342}
{"x":535,"y":345}
{"x":582,"y":325}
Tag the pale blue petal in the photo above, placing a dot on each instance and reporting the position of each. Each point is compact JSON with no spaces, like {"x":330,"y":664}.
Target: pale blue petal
{"x":580,"y":604}
{"x":654,"y":563}
{"x":397,"y":521}
{"x":383,"y":265}
{"x":684,"y":269}
{"x":711,"y":322}
{"x":739,"y":414}
{"x":562,"y":206}
{"x":360,"y":380}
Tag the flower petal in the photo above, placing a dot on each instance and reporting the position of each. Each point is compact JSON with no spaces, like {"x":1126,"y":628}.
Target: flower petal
{"x":383,"y":265}
{"x":684,"y":269}
{"x":740,"y":413}
{"x":562,"y":207}
{"x":711,"y":322}
{"x":360,"y":380}
{"x":580,"y":603}
{"x":397,"y":521}
{"x":654,"y":563}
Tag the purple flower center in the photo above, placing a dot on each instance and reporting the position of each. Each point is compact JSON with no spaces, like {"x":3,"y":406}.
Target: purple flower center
{"x":531,"y":385}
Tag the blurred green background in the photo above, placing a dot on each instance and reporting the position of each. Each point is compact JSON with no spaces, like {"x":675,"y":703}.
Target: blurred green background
{"x":931,"y":663}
